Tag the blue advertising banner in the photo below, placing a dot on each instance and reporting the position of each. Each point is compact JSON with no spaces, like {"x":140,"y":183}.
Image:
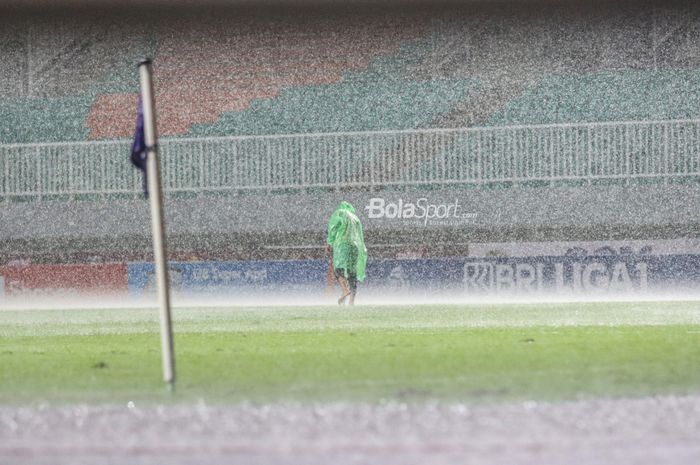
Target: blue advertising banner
{"x":511,"y":276}
{"x":230,"y":277}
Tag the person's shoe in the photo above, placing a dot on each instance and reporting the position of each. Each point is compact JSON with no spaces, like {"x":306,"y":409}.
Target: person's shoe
{"x":341,"y":301}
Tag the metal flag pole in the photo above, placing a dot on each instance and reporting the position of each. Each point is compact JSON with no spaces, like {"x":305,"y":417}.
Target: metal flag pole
{"x":157,"y":221}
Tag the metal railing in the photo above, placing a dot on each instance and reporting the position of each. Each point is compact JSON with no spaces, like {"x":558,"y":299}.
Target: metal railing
{"x":659,"y":150}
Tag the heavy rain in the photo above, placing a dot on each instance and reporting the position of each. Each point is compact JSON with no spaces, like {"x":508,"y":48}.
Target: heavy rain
{"x":526,"y":168}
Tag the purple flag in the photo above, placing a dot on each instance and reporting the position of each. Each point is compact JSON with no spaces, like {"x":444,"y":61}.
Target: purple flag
{"x":139,"y":152}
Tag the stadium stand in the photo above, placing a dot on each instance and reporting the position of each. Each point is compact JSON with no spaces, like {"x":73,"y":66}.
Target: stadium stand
{"x":55,"y":70}
{"x":231,"y":71}
{"x":348,"y":74}
{"x":634,"y":95}
{"x":68,"y":97}
{"x":379,"y":98}
{"x":40,"y":119}
{"x":83,"y":86}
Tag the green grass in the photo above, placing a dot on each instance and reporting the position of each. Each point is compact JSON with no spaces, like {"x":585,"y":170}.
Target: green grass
{"x":469,"y":353}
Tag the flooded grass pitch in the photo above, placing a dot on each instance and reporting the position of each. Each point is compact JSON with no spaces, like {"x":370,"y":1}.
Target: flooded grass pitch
{"x":307,"y":354}
{"x":585,"y":383}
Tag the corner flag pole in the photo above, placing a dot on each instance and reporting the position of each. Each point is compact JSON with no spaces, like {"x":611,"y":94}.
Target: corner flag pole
{"x":157,"y":220}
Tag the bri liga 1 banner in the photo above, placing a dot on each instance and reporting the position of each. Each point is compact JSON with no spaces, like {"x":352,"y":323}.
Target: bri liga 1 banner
{"x":478,"y":276}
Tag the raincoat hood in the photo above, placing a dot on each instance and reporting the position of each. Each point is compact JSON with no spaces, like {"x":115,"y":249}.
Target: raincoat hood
{"x":345,"y":206}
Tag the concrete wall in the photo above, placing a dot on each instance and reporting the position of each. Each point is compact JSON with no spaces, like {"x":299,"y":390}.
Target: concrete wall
{"x":631,"y":207}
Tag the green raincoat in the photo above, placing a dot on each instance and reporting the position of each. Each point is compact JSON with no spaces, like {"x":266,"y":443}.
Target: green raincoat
{"x":347,"y":239}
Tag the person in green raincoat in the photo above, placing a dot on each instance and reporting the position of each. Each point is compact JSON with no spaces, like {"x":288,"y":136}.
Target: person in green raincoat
{"x":347,"y":244}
